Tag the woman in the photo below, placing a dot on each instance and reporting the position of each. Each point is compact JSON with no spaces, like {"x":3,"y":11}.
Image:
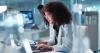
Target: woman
{"x":41,"y":9}
{"x":59,"y":19}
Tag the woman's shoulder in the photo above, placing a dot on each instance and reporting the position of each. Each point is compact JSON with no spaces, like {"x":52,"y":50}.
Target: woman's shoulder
{"x":67,"y":27}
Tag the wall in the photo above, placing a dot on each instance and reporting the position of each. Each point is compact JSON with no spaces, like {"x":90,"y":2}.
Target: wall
{"x":98,"y":32}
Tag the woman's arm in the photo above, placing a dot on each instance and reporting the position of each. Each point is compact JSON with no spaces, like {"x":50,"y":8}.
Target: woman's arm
{"x":51,"y":40}
{"x":52,"y":35}
{"x":65,"y":39}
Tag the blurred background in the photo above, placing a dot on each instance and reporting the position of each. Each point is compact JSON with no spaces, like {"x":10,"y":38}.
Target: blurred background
{"x":24,"y":13}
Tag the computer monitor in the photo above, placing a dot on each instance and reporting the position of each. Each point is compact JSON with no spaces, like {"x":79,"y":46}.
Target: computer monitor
{"x":29,"y":19}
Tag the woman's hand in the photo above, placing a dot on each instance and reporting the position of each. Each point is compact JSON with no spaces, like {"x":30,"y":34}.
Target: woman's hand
{"x":44,"y":46}
{"x":42,"y":42}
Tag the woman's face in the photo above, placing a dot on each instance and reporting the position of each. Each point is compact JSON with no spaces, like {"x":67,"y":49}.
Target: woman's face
{"x":49,"y":16}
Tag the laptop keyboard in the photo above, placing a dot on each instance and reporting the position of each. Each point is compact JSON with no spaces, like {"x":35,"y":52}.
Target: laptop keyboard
{"x":34,"y":49}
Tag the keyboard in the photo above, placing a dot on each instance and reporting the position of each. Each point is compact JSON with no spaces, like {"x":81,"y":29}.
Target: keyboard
{"x":35,"y":50}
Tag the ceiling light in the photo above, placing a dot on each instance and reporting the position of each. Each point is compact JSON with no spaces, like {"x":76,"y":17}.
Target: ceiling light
{"x":83,"y":0}
{"x":3,"y":9}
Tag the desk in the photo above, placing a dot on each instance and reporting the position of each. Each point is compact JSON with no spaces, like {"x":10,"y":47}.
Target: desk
{"x":18,"y":49}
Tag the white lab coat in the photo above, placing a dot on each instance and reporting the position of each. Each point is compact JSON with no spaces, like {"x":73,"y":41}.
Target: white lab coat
{"x":65,"y":38}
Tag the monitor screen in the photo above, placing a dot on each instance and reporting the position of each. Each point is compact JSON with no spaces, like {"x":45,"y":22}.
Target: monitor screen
{"x":29,"y":19}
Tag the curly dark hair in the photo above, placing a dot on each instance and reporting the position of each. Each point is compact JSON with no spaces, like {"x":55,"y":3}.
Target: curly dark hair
{"x":61,"y":14}
{"x":40,"y":8}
